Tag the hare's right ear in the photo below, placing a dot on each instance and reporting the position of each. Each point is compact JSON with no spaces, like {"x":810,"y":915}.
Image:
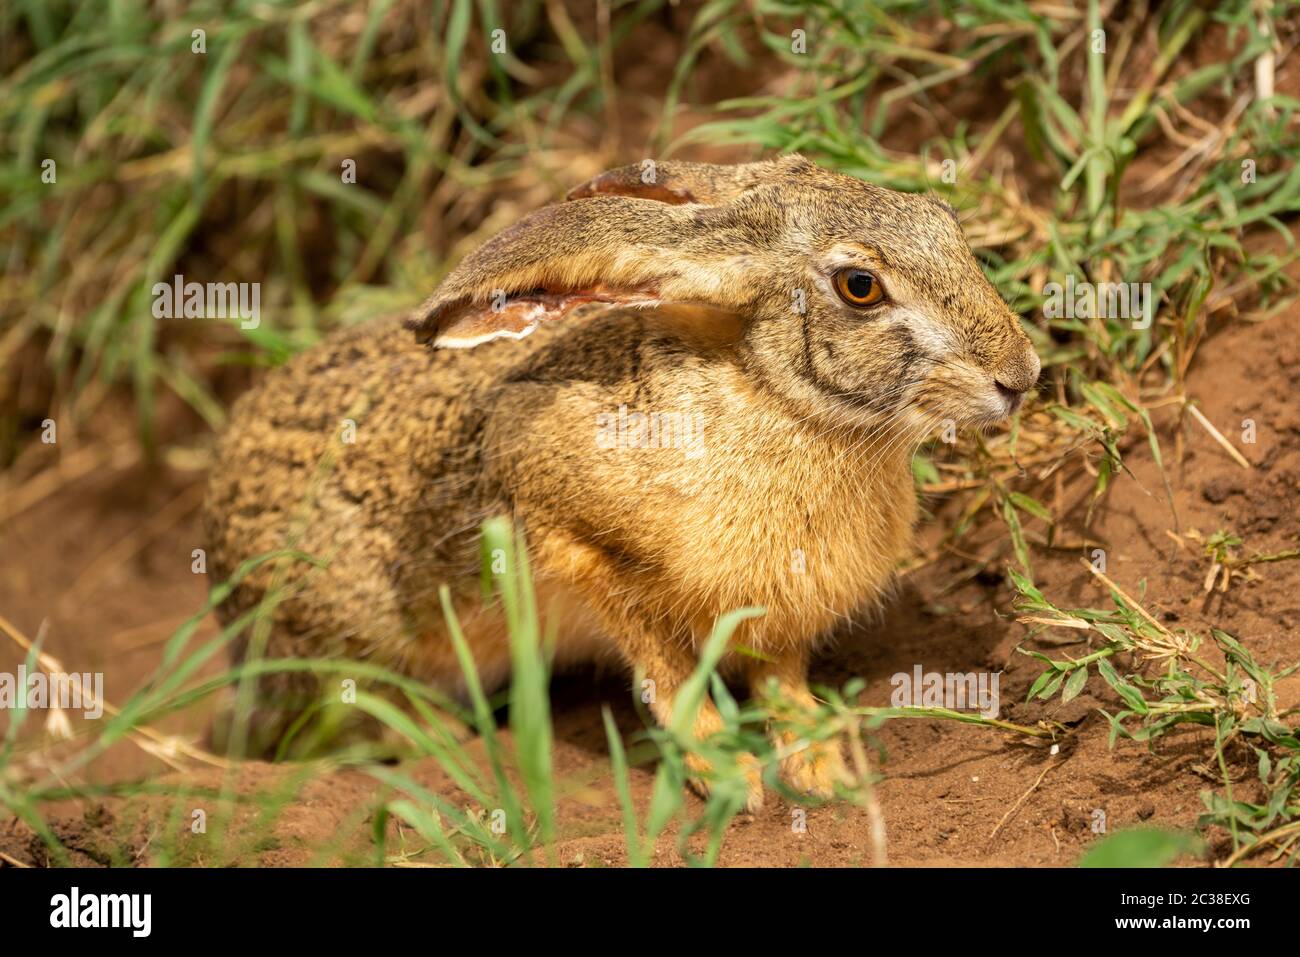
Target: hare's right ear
{"x":679,"y":182}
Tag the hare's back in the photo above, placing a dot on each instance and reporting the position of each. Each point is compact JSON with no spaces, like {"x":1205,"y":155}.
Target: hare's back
{"x":359,"y":452}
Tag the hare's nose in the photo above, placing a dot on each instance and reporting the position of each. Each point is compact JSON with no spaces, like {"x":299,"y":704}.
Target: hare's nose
{"x":1018,"y":373}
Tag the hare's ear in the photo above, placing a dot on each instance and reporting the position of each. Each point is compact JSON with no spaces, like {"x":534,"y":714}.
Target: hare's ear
{"x":611,"y":249}
{"x":679,"y":182}
{"x":463,"y":323}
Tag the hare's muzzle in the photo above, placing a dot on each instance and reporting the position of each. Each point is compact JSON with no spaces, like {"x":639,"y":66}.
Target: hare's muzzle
{"x":1017,"y":375}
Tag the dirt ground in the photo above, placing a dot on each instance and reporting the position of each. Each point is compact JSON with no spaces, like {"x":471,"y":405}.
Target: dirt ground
{"x":104,"y":562}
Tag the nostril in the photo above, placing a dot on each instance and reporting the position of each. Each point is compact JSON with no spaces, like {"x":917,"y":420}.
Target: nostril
{"x":1013,"y":397}
{"x":1015,"y":377}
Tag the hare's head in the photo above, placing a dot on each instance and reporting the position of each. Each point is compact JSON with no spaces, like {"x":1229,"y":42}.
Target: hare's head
{"x":859,"y":304}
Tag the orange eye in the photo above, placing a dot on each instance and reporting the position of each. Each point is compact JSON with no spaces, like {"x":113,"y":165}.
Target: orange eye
{"x":858,"y":287}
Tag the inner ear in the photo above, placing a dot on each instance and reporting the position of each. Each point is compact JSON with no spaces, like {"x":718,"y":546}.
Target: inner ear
{"x":463,"y":323}
{"x":628,"y":181}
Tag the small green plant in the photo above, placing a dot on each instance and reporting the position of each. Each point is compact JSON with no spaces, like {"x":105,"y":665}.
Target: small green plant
{"x":1169,"y":682}
{"x":1226,"y":561}
{"x":1141,"y":847}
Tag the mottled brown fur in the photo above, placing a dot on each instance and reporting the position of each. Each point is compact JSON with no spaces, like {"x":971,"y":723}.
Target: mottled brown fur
{"x":715,"y":304}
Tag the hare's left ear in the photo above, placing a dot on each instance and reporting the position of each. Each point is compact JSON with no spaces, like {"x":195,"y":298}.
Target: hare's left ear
{"x":614,"y":249}
{"x":543,"y":266}
{"x":639,"y":236}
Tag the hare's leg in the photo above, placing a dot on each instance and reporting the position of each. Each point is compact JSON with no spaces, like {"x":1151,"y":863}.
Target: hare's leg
{"x":643,"y":641}
{"x":815,"y":768}
{"x":668,"y":665}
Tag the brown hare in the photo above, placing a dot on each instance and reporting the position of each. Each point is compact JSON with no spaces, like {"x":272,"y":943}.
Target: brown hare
{"x":694,"y":387}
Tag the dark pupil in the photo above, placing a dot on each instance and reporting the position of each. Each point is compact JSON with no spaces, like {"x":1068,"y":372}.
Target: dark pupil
{"x":860,"y":284}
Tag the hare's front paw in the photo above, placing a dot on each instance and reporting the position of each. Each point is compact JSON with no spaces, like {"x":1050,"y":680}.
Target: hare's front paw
{"x":700,"y":772}
{"x":816,"y":769}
